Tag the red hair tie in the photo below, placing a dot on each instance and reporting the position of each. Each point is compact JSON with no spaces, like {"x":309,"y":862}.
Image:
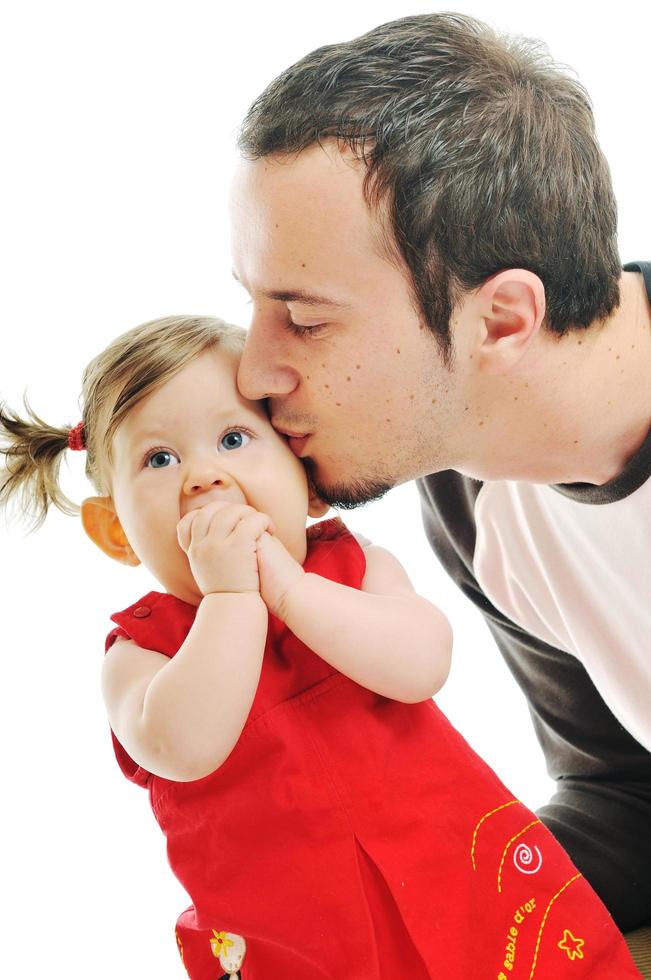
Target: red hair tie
{"x":76,"y":437}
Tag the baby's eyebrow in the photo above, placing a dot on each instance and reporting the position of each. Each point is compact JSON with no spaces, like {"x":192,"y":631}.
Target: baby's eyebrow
{"x":231,"y":413}
{"x":147,"y":435}
{"x":300,"y":296}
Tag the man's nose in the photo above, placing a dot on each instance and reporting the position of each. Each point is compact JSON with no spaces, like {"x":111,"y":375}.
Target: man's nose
{"x":263,"y":371}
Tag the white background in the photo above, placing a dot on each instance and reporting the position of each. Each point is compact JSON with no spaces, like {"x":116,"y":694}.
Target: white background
{"x":118,"y":131}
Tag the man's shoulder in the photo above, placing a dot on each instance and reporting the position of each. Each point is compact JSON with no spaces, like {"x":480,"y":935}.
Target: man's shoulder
{"x":483,"y":526}
{"x":438,"y":491}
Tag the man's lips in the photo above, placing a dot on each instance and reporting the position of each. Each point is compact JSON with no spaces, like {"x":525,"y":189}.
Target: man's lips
{"x":297,"y":440}
{"x":297,"y":444}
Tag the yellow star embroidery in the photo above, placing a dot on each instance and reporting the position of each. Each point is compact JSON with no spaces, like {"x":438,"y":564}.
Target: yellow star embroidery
{"x":571,"y":945}
{"x":219,"y":943}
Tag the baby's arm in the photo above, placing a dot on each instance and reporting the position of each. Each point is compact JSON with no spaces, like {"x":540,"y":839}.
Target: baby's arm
{"x":181,"y":717}
{"x":385,"y":637}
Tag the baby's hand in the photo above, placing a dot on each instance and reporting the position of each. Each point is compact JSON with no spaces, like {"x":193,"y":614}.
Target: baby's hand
{"x":220,"y":541}
{"x":278,"y":573}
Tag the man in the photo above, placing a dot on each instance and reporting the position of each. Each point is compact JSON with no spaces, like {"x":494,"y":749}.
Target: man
{"x":426,"y":226}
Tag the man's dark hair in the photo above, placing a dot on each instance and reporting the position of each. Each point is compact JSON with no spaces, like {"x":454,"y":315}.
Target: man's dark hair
{"x":479,"y":149}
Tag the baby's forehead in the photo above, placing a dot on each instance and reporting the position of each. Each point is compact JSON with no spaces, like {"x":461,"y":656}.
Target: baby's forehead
{"x":209,"y":377}
{"x":205,"y":388}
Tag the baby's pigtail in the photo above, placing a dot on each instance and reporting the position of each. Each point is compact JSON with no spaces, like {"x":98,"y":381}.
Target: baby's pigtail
{"x":32,"y":452}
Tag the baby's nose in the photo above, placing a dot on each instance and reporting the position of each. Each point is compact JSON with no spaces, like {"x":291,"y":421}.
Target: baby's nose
{"x":203,"y":485}
{"x":204,"y":478}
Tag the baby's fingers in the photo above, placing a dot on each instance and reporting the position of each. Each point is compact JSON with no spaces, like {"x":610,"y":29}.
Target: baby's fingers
{"x":221,"y":521}
{"x":184,"y":530}
{"x":218,"y":517}
{"x":254,"y":525}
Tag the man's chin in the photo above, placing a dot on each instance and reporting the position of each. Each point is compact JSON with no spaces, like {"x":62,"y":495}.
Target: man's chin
{"x":346,"y":495}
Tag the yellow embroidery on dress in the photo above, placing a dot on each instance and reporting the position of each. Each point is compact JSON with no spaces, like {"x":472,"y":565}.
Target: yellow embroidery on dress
{"x":485,"y":817}
{"x":219,"y":943}
{"x":180,"y":949}
{"x":572,"y":945}
{"x":542,"y":925}
{"x":180,"y":945}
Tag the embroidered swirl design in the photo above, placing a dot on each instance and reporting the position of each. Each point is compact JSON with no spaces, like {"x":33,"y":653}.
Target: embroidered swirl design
{"x":526,"y":861}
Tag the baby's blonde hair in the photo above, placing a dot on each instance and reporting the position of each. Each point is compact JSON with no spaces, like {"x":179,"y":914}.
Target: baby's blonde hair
{"x":129,"y":369}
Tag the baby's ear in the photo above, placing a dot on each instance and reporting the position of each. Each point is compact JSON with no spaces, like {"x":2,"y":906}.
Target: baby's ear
{"x":102,"y":525}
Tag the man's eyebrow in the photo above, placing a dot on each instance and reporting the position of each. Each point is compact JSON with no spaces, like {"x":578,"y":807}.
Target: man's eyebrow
{"x":300,"y":296}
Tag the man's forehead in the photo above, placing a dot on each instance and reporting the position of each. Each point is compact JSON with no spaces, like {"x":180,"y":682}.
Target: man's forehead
{"x":316,"y":187}
{"x":305,"y":207}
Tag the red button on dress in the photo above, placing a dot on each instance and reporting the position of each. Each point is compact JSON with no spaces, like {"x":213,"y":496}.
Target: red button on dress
{"x":141,"y":612}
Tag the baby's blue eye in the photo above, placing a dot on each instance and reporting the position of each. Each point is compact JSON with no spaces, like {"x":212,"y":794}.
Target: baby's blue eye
{"x":234,"y":439}
{"x":162,"y":458}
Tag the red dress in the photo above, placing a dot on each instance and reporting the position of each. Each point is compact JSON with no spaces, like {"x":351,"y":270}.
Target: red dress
{"x":353,"y":837}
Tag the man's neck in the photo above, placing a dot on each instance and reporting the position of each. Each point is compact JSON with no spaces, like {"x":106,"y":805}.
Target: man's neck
{"x":584,"y":403}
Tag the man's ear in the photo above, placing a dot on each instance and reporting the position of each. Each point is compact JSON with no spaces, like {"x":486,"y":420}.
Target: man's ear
{"x":102,"y":525}
{"x":512,"y":309}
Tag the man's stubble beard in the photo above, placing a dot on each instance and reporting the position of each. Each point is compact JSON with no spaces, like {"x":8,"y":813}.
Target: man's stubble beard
{"x":348,"y":496}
